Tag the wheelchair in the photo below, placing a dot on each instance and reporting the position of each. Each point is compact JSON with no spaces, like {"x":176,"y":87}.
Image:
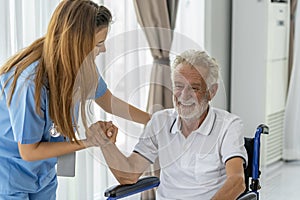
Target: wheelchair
{"x":252,"y":174}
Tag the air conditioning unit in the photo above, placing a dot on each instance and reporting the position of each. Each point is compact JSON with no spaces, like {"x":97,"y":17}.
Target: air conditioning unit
{"x":259,"y":73}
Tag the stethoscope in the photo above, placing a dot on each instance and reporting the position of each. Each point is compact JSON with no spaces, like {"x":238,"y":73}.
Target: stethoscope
{"x":53,"y":131}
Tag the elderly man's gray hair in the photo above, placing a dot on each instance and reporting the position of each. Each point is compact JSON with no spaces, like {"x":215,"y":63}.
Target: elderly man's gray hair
{"x":198,"y":59}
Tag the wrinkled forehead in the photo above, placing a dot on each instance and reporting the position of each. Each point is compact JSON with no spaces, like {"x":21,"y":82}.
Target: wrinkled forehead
{"x":189,"y":73}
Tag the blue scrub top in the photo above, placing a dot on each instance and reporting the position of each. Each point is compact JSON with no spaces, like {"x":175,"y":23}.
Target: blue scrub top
{"x":20,"y":123}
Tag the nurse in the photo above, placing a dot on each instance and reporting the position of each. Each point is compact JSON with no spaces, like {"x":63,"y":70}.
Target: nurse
{"x":40,"y":90}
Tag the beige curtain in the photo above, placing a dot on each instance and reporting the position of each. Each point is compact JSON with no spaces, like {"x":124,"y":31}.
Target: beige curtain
{"x":293,"y":6}
{"x":157,"y":19}
{"x":291,"y":148}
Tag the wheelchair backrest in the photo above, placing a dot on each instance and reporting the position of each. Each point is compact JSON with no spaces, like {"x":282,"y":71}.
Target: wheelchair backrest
{"x":249,"y":145}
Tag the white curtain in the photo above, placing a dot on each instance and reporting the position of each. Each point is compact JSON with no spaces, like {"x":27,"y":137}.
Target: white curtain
{"x":189,"y":29}
{"x":291,"y":150}
{"x":21,"y":22}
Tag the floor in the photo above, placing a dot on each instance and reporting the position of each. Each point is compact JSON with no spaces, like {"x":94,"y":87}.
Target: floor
{"x":280,"y":181}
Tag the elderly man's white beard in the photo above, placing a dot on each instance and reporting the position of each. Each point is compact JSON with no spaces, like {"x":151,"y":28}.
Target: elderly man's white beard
{"x":190,"y":109}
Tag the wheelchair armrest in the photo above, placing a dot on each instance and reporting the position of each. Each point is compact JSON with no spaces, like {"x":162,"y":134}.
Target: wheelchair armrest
{"x":248,"y":196}
{"x":120,"y":191}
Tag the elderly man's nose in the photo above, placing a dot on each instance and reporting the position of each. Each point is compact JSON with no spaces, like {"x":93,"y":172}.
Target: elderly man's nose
{"x":186,"y":92}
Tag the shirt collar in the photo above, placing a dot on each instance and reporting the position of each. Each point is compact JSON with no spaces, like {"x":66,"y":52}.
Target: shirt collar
{"x":208,"y":123}
{"x":176,"y":125}
{"x":204,"y":129}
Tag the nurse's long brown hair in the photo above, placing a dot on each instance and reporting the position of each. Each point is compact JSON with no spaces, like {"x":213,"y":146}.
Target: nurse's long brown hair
{"x":66,"y":60}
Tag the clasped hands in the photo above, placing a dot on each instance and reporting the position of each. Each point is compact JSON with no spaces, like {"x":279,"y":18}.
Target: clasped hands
{"x":100,"y":134}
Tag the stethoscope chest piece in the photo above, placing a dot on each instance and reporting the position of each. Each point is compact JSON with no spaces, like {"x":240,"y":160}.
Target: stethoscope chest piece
{"x":53,"y":131}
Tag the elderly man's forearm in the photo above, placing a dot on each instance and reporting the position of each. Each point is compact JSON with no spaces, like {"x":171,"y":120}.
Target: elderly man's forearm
{"x":127,"y":170}
{"x":232,"y":188}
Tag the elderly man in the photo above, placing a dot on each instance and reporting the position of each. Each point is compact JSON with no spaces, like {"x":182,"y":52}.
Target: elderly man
{"x":200,"y":148}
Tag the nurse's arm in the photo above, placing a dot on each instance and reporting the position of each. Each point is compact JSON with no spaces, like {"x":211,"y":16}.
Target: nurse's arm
{"x":94,"y":136}
{"x":127,"y":170}
{"x":235,"y":181}
{"x":113,"y":105}
{"x":44,"y":150}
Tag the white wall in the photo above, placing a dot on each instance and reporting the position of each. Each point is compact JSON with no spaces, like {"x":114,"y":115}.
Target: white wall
{"x":217,"y":43}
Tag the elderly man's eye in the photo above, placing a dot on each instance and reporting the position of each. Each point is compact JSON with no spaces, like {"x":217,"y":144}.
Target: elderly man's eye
{"x":196,"y":89}
{"x":178,"y":87}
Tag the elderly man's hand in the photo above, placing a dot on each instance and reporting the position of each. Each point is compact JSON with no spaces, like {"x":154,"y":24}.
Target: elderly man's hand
{"x":100,"y":134}
{"x":111,"y":130}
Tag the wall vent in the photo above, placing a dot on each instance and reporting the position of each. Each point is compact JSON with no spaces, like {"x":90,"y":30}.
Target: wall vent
{"x":272,"y":147}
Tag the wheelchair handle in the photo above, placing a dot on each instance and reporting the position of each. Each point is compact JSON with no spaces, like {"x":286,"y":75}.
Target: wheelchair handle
{"x":261,"y":129}
{"x":264,"y":129}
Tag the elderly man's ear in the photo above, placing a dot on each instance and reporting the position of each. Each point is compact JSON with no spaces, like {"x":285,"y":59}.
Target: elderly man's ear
{"x":212,"y":91}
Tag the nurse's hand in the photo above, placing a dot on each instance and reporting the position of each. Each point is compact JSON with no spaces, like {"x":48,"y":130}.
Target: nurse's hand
{"x":111,"y":130}
{"x":100,"y":134}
